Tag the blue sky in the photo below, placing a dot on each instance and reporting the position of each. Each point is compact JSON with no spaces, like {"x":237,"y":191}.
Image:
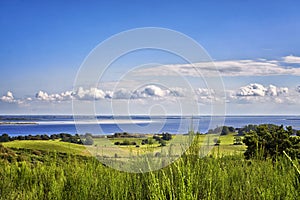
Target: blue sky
{"x":44,"y":43}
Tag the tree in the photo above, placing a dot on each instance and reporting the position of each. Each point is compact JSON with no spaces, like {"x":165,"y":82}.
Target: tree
{"x":231,"y":129}
{"x":225,"y":130}
{"x":246,"y":129}
{"x":222,"y":130}
{"x":270,"y":141}
{"x":150,"y":141}
{"x":88,"y":140}
{"x":4,"y":138}
{"x":166,"y":136}
{"x":45,"y":137}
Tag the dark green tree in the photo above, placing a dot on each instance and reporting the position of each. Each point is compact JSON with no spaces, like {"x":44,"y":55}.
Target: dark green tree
{"x":166,"y":136}
{"x":4,"y":138}
{"x":270,"y":141}
{"x":222,"y":130}
{"x":246,"y":129}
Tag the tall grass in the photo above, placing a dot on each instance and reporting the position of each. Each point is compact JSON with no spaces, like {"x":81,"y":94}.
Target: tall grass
{"x":190,"y":177}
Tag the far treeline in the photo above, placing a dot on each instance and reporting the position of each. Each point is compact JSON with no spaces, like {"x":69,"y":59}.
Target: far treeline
{"x":86,"y":139}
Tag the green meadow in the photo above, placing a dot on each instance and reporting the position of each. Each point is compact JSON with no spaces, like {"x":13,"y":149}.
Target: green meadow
{"x":61,"y":170}
{"x":225,"y":147}
{"x":48,"y":145}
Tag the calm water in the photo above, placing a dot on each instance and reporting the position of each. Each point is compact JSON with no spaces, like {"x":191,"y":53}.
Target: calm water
{"x":134,"y":124}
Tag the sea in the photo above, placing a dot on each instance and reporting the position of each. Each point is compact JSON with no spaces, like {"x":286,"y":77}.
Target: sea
{"x":15,"y":125}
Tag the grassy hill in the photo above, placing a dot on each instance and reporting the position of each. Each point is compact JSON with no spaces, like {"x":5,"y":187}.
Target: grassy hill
{"x":48,"y":145}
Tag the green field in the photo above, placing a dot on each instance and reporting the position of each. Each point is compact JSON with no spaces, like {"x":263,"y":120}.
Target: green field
{"x":190,"y":177}
{"x":48,"y":145}
{"x":226,"y":146}
{"x":63,"y":171}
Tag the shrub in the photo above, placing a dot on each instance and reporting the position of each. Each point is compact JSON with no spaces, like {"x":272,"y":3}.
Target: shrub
{"x":237,"y":141}
{"x":163,"y":143}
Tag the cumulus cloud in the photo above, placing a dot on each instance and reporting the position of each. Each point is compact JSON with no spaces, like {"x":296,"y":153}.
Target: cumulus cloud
{"x":252,"y":90}
{"x":252,"y":93}
{"x":121,"y":94}
{"x":90,"y":94}
{"x":258,"y":93}
{"x":150,"y":91}
{"x":8,"y":98}
{"x":256,"y":89}
{"x":79,"y":94}
{"x":292,"y":59}
{"x":44,"y":96}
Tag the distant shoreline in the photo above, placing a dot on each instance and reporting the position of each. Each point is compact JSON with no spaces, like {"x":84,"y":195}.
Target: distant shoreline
{"x":18,"y":123}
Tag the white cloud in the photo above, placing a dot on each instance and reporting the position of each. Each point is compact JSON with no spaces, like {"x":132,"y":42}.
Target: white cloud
{"x":44,"y":96}
{"x":205,"y":91}
{"x":8,"y":98}
{"x":90,"y":94}
{"x":256,"y":89}
{"x":256,"y":93}
{"x":252,"y":90}
{"x":207,"y":95}
{"x":151,"y":91}
{"x":260,"y":67}
{"x":121,"y":94}
{"x":252,"y":93}
{"x":272,"y":90}
{"x":292,"y":59}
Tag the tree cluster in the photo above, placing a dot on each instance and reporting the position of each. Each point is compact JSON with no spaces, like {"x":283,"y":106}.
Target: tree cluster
{"x":125,"y":135}
{"x":271,"y":141}
{"x":6,"y":138}
{"x":162,"y":138}
{"x":147,"y":141}
{"x":246,"y":129}
{"x":126,"y":142}
{"x":64,"y":137}
{"x":222,"y":130}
